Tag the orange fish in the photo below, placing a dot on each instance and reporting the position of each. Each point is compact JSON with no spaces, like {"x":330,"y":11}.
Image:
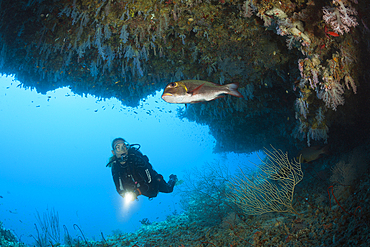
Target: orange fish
{"x":334,"y":34}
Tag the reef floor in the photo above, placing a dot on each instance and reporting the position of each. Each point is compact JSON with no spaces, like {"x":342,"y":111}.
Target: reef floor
{"x":342,"y":221}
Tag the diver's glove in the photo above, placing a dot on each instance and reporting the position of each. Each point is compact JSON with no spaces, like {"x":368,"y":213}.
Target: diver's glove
{"x":173,"y":177}
{"x":173,"y":180}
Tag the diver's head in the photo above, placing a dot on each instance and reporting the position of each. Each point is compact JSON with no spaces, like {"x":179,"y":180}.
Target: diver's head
{"x":119,"y":147}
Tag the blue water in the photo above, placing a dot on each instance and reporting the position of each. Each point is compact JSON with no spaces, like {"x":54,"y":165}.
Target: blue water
{"x":54,"y":149}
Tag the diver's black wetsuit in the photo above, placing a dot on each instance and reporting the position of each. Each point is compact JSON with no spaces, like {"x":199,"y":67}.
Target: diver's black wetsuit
{"x":136,"y":173}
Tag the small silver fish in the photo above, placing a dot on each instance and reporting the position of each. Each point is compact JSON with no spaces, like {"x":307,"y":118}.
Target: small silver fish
{"x":194,"y":91}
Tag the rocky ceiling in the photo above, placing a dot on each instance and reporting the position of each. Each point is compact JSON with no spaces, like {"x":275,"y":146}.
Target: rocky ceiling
{"x":301,"y":65}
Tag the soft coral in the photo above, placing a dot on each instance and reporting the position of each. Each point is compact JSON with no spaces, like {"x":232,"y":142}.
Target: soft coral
{"x":340,"y":18}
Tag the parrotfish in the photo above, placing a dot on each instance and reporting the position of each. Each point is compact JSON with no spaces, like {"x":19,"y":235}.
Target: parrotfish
{"x":194,"y":91}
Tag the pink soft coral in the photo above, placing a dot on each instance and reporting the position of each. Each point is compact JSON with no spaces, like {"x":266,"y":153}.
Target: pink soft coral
{"x":331,"y":93}
{"x":340,"y":18}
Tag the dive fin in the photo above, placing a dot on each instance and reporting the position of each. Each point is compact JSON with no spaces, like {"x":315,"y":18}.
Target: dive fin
{"x":179,"y":182}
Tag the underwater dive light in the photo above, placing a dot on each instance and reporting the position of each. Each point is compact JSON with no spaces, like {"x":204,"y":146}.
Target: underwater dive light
{"x":129,"y":197}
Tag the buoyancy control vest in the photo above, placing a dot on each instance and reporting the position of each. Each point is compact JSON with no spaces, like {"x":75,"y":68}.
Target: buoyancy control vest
{"x":136,"y":172}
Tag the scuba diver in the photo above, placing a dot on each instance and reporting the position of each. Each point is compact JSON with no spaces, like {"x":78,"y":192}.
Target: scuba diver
{"x":132,"y":173}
